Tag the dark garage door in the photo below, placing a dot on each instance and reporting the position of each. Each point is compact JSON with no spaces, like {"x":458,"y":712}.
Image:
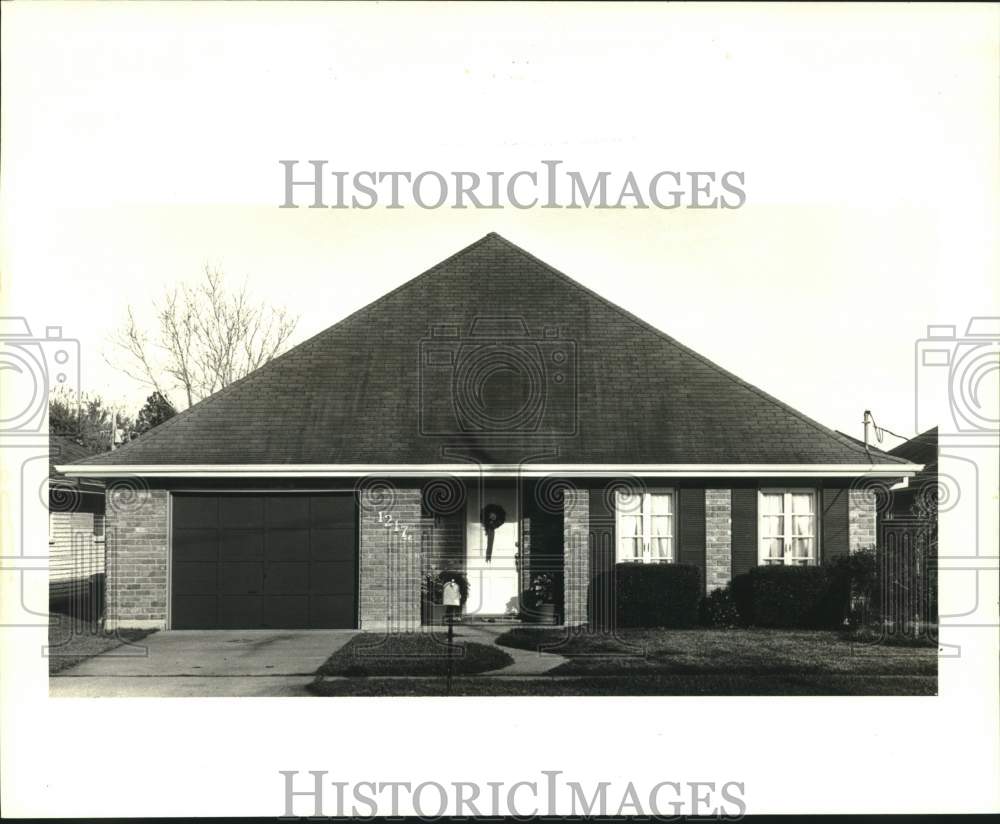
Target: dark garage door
{"x":264,"y":561}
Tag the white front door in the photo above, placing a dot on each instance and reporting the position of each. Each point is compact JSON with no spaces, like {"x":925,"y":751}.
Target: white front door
{"x":493,"y":586}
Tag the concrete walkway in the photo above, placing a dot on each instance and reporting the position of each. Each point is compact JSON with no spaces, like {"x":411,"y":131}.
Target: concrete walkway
{"x":204,"y":663}
{"x":526,"y":662}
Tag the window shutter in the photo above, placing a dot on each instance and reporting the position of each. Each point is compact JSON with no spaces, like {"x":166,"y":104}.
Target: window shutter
{"x":835,"y":524}
{"x":691,"y":531}
{"x":744,"y":530}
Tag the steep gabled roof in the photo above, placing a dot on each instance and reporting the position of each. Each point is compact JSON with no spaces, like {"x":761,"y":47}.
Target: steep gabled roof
{"x":598,"y":386}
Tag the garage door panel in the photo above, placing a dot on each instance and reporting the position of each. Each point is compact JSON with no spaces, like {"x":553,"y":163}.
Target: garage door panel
{"x":332,"y":579}
{"x":242,"y":511}
{"x":331,"y":510}
{"x":291,"y":611}
{"x":195,"y":579}
{"x":287,"y":545}
{"x":249,"y":561}
{"x":194,"y":612}
{"x":196,"y":510}
{"x":196,"y":544}
{"x":241,"y":611}
{"x":287,"y":511}
{"x":241,"y":578}
{"x":330,"y":612}
{"x":241,"y":545}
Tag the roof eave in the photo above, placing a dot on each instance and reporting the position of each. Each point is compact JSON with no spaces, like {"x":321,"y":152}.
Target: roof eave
{"x":887,"y":470}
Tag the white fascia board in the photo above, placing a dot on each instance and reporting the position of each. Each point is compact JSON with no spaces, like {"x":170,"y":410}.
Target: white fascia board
{"x":526,"y":470}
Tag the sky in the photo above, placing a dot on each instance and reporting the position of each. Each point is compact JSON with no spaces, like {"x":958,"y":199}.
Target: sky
{"x":141,"y":142}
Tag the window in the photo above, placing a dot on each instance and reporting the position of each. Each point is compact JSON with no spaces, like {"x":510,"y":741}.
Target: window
{"x":645,"y":522}
{"x":787,"y":527}
{"x":99,"y":528}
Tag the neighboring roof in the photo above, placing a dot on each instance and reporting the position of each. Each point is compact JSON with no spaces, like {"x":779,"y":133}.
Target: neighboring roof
{"x":921,"y":449}
{"x":64,"y":450}
{"x":376,"y":389}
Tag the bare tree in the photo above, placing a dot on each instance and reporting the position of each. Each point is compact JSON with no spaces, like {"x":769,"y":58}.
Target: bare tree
{"x":207,"y":339}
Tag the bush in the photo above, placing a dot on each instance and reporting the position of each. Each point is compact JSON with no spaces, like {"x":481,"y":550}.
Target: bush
{"x":719,"y":609}
{"x":805,"y":597}
{"x":657,"y":595}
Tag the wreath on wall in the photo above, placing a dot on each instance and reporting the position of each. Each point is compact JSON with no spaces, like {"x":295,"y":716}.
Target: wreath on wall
{"x":492,"y":518}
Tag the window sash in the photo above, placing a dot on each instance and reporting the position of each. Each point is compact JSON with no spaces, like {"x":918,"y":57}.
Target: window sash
{"x":645,"y":526}
{"x":787,"y":527}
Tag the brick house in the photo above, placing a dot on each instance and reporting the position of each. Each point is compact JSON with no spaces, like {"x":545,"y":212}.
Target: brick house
{"x":76,"y":529}
{"x":323,"y":489}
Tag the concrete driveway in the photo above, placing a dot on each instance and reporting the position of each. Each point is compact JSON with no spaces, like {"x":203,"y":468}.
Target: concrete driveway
{"x":201,"y":663}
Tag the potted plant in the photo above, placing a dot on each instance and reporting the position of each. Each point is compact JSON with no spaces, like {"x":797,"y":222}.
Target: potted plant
{"x":538,"y":600}
{"x":433,"y":612}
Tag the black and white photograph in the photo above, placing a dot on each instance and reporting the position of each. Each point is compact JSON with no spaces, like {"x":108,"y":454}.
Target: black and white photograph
{"x":402,"y":403}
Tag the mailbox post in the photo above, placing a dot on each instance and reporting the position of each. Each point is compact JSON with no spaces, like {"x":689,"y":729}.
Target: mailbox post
{"x":451,"y":598}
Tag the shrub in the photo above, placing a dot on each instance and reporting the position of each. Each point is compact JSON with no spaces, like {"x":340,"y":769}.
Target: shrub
{"x":792,"y":596}
{"x":657,"y":595}
{"x":719,"y":609}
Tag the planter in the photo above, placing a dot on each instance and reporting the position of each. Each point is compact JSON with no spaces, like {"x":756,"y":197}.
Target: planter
{"x":540,"y":614}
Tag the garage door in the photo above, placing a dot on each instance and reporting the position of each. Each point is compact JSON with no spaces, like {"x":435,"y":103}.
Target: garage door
{"x":264,"y":561}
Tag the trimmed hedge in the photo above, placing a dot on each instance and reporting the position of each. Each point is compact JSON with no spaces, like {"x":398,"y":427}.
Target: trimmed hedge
{"x":810,"y":597}
{"x":657,"y":595}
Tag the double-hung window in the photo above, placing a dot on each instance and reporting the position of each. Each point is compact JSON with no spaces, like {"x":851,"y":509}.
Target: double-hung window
{"x":787,"y":527}
{"x":645,"y":526}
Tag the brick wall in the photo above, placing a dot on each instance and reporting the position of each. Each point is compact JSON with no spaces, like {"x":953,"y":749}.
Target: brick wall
{"x":137,"y":550}
{"x":718,"y":538}
{"x":391,"y":559}
{"x":861,"y":519}
{"x":576,"y":555}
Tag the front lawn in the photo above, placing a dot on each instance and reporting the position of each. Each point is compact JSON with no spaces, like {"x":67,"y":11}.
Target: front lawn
{"x":72,"y":640}
{"x":727,"y":652}
{"x":415,"y":654}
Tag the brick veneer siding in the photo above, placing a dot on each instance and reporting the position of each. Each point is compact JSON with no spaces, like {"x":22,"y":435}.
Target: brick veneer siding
{"x":137,"y":541}
{"x":861,"y":519}
{"x":718,"y":538}
{"x":389,"y":597}
{"x":576,"y":555}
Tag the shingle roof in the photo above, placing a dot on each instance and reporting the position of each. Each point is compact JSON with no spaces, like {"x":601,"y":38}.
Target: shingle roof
{"x":920,"y":449}
{"x":376,"y":388}
{"x":64,"y":450}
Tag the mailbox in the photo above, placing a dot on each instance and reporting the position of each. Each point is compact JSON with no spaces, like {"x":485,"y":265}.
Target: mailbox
{"x":451,"y":595}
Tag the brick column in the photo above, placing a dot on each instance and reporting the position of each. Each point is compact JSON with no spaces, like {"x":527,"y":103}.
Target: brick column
{"x":391,"y":537}
{"x":576,"y":555}
{"x":137,"y":539}
{"x":718,"y":538}
{"x":861,"y":519}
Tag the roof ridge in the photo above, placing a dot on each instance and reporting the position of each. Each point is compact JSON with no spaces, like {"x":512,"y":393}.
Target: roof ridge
{"x":830,"y":433}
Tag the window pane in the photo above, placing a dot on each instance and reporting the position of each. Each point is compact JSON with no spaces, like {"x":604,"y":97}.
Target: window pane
{"x":802,"y":503}
{"x":631,"y":526}
{"x":628,"y":501}
{"x":630,"y":549}
{"x":774,"y":548}
{"x":802,"y":526}
{"x":772,"y":526}
{"x":802,"y":548}
{"x":772,"y":503}
{"x":661,"y":549}
{"x":662,"y":526}
{"x":661,"y":504}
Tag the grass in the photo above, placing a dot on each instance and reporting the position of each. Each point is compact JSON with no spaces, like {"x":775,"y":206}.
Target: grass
{"x":730,"y":652}
{"x":644,"y":685}
{"x":664,"y":662}
{"x":413,"y":654}
{"x":72,"y":640}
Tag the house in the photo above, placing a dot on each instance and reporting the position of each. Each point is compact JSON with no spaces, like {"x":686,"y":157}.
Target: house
{"x":322,"y":489}
{"x":76,"y":530}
